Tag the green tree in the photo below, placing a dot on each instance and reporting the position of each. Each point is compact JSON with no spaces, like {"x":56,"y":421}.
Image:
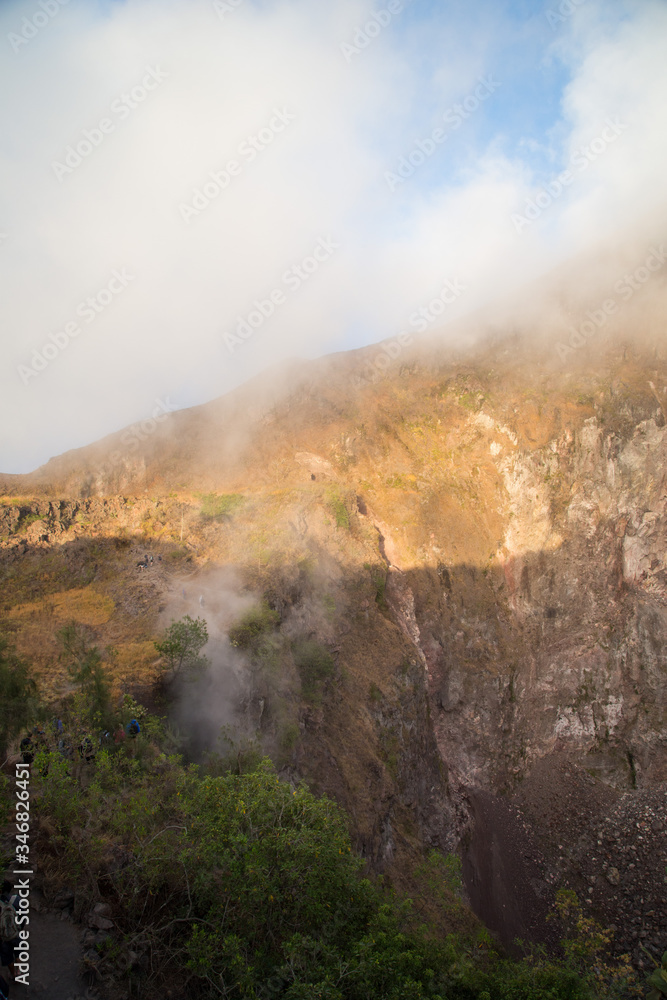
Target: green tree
{"x":182,"y":645}
{"x":268,"y":864}
{"x":85,"y":666}
{"x":18,"y":695}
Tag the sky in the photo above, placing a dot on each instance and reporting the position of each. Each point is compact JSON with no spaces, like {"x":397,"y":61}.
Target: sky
{"x":193,"y":191}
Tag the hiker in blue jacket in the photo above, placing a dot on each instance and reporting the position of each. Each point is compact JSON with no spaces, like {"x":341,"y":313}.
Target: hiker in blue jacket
{"x":133,"y":728}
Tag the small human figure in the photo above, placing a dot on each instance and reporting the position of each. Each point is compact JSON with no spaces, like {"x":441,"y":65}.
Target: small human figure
{"x":133,"y":728}
{"x":86,"y":750}
{"x":27,"y":749}
{"x":201,"y":600}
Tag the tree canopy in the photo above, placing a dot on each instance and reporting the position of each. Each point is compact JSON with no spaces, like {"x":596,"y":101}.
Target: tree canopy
{"x":18,"y":694}
{"x":182,"y":645}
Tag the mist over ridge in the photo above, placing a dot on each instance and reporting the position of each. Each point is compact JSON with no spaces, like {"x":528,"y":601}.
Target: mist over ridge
{"x":299,"y":179}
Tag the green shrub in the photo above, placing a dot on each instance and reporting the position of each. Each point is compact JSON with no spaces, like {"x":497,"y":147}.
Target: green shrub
{"x":471,"y":400}
{"x":442,"y":875}
{"x":315,"y":665}
{"x":176,"y":554}
{"x":240,"y":754}
{"x":338,"y":508}
{"x":289,"y":736}
{"x":18,"y":695}
{"x":396,"y":482}
{"x":380,"y":583}
{"x":220,"y":506}
{"x":252,"y":626}
{"x":27,"y":519}
{"x":374,"y":693}
{"x":586,"y":948}
{"x":658,"y":980}
{"x":329,"y":605}
{"x":84,"y":665}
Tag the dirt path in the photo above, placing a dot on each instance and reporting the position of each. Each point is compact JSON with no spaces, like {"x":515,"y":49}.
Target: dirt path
{"x":55,"y":956}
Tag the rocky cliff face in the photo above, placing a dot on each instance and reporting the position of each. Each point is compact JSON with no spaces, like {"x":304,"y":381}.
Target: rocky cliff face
{"x":482,"y":545}
{"x":561,"y":640}
{"x":548,"y":663}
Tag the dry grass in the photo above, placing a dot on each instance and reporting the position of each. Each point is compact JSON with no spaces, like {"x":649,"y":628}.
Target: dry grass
{"x":35,"y":624}
{"x":134,"y":665}
{"x":83,"y":605}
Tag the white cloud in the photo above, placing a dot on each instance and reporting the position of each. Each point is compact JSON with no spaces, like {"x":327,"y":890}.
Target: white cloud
{"x":321,"y":176}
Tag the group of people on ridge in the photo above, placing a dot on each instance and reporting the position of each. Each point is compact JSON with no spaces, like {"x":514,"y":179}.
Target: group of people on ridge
{"x":37,"y":740}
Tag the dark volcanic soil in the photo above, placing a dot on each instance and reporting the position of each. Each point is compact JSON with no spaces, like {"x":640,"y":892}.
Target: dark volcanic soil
{"x":564,"y":828}
{"x":55,"y":957}
{"x":508,"y":879}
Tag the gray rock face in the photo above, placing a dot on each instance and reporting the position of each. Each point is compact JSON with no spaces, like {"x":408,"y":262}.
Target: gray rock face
{"x":562,"y":641}
{"x":555,"y":655}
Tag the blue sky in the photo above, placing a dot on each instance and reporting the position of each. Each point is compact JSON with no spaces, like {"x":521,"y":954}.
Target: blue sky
{"x":132,"y":201}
